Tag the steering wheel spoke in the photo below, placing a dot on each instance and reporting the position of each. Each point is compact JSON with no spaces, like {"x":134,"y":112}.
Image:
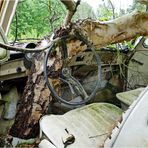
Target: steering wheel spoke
{"x":70,"y":86}
{"x":74,"y":83}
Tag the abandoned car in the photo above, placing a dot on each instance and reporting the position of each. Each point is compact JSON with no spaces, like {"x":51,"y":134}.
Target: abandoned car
{"x":99,"y":95}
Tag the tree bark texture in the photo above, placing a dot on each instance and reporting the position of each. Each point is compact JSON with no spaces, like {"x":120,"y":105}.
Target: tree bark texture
{"x":117,"y":30}
{"x":34,"y":103}
{"x":71,"y":6}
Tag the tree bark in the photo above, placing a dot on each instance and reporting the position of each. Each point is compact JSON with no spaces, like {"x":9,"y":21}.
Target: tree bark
{"x":71,"y":7}
{"x":34,"y":103}
{"x":117,"y":30}
{"x":101,"y":34}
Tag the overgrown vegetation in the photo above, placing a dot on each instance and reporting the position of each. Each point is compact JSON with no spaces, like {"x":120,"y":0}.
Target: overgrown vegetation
{"x":36,"y":18}
{"x":39,"y":18}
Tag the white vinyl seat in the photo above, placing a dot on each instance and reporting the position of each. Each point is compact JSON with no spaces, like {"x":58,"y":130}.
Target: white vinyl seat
{"x":89,"y":125}
{"x":128,"y":97}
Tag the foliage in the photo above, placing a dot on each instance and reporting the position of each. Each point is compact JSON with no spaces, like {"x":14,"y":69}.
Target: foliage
{"x":84,"y":11}
{"x":105,"y":13}
{"x":136,"y":6}
{"x":36,"y":18}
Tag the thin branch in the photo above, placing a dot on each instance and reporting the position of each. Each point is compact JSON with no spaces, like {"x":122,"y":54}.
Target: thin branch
{"x":28,"y":50}
{"x":145,"y":2}
{"x":69,"y":4}
{"x":72,"y":8}
{"x":16,"y":28}
{"x":113,"y":8}
{"x":24,"y":50}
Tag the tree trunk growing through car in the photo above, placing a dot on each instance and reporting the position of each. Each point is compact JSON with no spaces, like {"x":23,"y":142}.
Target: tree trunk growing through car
{"x":36,"y":96}
{"x":34,"y":103}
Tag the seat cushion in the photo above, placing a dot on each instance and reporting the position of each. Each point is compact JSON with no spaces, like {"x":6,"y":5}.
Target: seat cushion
{"x":89,"y":125}
{"x":129,"y":97}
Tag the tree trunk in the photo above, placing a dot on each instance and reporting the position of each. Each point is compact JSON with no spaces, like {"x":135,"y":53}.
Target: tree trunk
{"x":34,"y":103}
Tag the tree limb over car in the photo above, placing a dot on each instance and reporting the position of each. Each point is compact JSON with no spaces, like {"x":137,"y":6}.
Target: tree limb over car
{"x":104,"y":33}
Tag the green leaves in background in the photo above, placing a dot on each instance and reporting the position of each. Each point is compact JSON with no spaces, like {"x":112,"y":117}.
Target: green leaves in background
{"x":36,"y":18}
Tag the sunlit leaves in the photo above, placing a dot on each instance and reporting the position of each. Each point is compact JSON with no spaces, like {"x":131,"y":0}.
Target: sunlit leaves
{"x":37,"y":18}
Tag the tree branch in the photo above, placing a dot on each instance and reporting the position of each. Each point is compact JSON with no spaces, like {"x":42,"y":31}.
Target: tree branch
{"x":113,"y":8}
{"x":145,"y":2}
{"x":118,"y":30}
{"x":71,"y":6}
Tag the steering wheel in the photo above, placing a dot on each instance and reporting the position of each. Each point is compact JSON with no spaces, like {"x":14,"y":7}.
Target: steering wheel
{"x":66,"y":76}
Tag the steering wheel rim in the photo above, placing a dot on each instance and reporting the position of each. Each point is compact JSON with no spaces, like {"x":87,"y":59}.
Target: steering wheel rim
{"x":54,"y":94}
